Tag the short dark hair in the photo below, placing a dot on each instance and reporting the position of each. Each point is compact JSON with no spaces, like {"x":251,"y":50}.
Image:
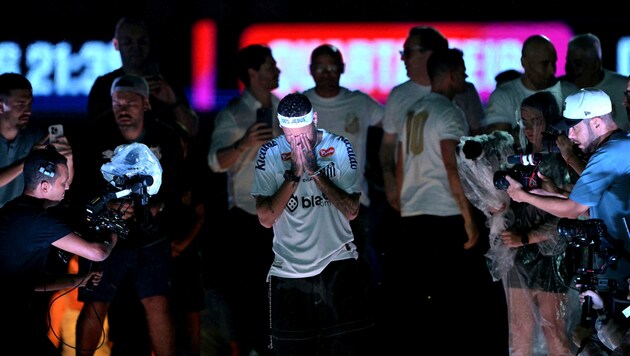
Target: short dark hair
{"x":294,"y":105}
{"x":444,"y":60}
{"x":430,"y":37}
{"x":13,"y":81}
{"x":41,"y":165}
{"x":329,"y":50}
{"x":547,"y":104}
{"x":507,"y":75}
{"x":250,"y":57}
{"x":130,"y":20}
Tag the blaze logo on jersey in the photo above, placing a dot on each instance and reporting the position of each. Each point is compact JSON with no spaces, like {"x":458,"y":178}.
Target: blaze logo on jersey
{"x":293,"y":203}
{"x":307,"y":202}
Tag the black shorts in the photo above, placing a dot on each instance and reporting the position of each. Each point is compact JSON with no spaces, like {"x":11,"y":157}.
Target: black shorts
{"x":149,"y":269}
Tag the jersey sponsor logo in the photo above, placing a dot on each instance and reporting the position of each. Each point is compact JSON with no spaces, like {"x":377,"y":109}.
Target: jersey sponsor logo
{"x":325,"y":152}
{"x":307,"y":202}
{"x":262,"y":154}
{"x":293,"y":203}
{"x":352,"y":157}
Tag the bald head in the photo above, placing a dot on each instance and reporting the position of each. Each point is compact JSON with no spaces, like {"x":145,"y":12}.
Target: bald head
{"x":539,"y":59}
{"x":536,"y":43}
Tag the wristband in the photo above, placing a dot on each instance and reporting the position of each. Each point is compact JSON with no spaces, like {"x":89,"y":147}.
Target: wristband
{"x":290,"y":177}
{"x":525,"y":239}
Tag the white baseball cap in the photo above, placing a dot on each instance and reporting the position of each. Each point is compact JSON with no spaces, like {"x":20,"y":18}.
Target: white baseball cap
{"x":584,"y":104}
{"x":130,"y":83}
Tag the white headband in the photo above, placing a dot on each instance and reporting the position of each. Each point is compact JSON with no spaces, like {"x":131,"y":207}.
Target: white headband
{"x":296,"y":122}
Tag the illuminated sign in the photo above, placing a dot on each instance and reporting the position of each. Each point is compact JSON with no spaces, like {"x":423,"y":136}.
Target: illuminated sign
{"x":370,"y":50}
{"x":62,"y":75}
{"x":623,"y":55}
{"x":203,"y":59}
{"x":55,"y":70}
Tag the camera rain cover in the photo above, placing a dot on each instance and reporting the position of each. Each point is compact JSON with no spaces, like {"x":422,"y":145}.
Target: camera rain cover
{"x":132,"y":160}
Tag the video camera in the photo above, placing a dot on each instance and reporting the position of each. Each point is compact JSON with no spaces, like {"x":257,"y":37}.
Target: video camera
{"x":589,"y":233}
{"x":134,"y":174}
{"x":524,"y":170}
{"x":129,"y":189}
{"x":580,"y":233}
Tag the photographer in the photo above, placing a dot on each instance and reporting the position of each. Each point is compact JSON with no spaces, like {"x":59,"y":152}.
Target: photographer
{"x":536,"y":284}
{"x":611,"y":335}
{"x":603,"y":189}
{"x":32,"y":225}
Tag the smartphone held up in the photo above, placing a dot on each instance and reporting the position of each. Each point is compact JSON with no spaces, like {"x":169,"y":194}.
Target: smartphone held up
{"x":54,"y":132}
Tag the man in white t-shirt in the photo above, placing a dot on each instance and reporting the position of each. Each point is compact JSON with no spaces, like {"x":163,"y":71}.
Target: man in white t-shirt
{"x":418,"y":46}
{"x":438,"y":223}
{"x":584,"y":68}
{"x":307,"y":187}
{"x":351,"y":114}
{"x":539,"y":59}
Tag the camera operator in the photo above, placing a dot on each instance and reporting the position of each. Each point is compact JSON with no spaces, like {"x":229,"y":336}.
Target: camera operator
{"x":31,"y":225}
{"x":611,"y":335}
{"x":536,"y":284}
{"x":603,"y":189}
{"x":136,"y":279}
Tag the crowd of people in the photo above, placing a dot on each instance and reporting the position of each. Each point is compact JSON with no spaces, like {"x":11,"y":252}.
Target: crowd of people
{"x":345,"y":220}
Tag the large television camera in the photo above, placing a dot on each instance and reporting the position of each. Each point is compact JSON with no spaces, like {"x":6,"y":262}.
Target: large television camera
{"x":589,"y":234}
{"x":580,"y":233}
{"x":129,"y":190}
{"x":134,"y":174}
{"x":524,"y":171}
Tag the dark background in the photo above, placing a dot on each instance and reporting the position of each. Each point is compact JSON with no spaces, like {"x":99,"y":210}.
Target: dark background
{"x":25,"y":21}
{"x":171,"y":20}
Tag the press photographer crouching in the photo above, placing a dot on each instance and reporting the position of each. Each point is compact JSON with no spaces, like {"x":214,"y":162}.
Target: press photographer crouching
{"x":603,"y":189}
